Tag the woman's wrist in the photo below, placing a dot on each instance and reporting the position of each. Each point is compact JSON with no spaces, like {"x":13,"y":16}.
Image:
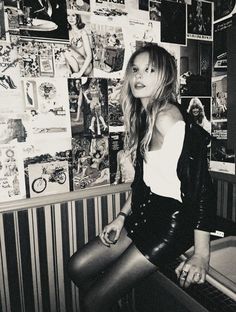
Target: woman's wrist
{"x":122,"y":214}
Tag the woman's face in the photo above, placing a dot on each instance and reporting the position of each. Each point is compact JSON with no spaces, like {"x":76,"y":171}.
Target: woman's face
{"x":142,"y":77}
{"x":71,"y":18}
{"x":195,"y":111}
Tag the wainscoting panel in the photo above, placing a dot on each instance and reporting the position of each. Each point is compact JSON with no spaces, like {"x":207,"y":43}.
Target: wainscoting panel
{"x":35,"y":245}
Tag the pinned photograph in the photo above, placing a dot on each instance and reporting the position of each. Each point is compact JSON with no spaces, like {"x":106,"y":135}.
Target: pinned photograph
{"x":200,"y":20}
{"x":43,"y":20}
{"x":173,"y":22}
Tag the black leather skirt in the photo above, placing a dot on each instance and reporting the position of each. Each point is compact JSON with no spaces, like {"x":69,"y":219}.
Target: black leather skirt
{"x":160,"y":227}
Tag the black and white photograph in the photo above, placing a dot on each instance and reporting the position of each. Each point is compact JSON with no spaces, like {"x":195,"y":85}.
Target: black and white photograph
{"x":47,"y":168}
{"x":219,"y":98}
{"x":43,"y":20}
{"x":36,"y":59}
{"x":11,"y":179}
{"x":117,"y":155}
{"x":173,"y":22}
{"x":195,"y":68}
{"x":220,"y":55}
{"x":90,"y":162}
{"x":200,"y":109}
{"x":199,"y":20}
{"x":109,"y":50}
{"x":115,"y":113}
{"x":95,"y":105}
{"x":9,"y":73}
{"x":78,"y":5}
{"x":121,"y":166}
{"x":222,"y":157}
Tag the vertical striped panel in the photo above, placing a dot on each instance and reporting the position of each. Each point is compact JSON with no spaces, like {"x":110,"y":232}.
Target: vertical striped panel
{"x":71,"y":291}
{"x":43,"y":257}
{"x":85,"y":214}
{"x":109,"y":208}
{"x":34,"y":246}
{"x":4,"y":285}
{"x":50,"y":258}
{"x":58,"y":257}
{"x":27,"y":254}
{"x":19,"y":265}
{"x":229,"y":202}
{"x":91,"y":218}
{"x":65,"y":208}
{"x":103,"y":206}
{"x":12,"y":265}
{"x":80,"y":225}
{"x":117,"y":204}
{"x":224,"y":200}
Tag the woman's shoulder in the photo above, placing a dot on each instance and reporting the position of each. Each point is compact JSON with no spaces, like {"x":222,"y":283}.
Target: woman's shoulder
{"x":167,"y":117}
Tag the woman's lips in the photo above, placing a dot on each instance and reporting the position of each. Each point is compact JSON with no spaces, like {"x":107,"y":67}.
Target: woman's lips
{"x":139,"y":85}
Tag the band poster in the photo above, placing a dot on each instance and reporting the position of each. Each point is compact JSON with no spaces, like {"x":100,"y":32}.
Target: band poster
{"x":62,"y":66}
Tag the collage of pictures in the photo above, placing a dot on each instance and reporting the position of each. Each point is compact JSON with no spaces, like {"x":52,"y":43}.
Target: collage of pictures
{"x":62,"y":64}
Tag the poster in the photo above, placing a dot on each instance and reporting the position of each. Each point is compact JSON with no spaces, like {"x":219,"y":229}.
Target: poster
{"x":121,"y":166}
{"x":48,"y":167}
{"x":12,"y":186}
{"x":45,"y":21}
{"x":90,"y":162}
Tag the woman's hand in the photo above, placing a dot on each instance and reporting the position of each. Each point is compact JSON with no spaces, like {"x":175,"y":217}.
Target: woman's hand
{"x":111,"y":232}
{"x":193,"y":270}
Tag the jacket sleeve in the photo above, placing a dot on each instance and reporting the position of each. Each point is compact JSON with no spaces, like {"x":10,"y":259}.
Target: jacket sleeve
{"x":206,"y":207}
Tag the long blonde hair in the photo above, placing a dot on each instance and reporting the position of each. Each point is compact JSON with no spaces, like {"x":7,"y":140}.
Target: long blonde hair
{"x":165,"y":92}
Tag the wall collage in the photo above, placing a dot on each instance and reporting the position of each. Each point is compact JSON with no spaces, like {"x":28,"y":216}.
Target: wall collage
{"x":61,"y":68}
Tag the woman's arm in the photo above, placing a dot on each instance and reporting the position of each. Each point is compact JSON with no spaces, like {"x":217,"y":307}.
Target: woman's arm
{"x":195,"y":268}
{"x":111,"y":232}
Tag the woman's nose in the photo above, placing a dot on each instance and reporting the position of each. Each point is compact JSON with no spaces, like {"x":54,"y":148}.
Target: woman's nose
{"x":138,"y":74}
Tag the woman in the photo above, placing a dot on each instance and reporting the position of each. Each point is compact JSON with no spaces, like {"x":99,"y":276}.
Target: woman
{"x":79,"y":55}
{"x":170,"y":204}
{"x":196,"y":109}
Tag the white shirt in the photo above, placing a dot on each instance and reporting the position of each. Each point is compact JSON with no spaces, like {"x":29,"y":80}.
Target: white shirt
{"x":160,"y":169}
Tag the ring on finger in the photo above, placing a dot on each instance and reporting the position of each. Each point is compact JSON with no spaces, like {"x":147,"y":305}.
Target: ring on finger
{"x":184,"y":273}
{"x":197,"y":275}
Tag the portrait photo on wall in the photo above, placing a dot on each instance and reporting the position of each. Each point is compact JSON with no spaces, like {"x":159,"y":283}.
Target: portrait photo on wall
{"x":11,"y":14}
{"x":43,"y":20}
{"x":195,"y":68}
{"x":173,"y":22}
{"x":200,"y":109}
{"x":199,"y":20}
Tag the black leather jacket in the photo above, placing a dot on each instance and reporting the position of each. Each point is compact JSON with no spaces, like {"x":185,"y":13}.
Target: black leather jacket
{"x":197,"y":190}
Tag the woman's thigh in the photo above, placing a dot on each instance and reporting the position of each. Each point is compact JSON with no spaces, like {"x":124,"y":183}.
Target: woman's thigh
{"x":95,"y":257}
{"x":118,"y":279}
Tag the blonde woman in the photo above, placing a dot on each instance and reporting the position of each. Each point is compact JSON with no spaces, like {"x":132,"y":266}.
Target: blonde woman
{"x":79,"y":54}
{"x":169,"y":208}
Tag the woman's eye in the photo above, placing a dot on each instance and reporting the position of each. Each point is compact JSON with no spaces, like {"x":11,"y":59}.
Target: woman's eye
{"x":134,"y":69}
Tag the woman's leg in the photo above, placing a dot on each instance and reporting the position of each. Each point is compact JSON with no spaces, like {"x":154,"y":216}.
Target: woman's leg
{"x":117,"y":280}
{"x":94,"y":258}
